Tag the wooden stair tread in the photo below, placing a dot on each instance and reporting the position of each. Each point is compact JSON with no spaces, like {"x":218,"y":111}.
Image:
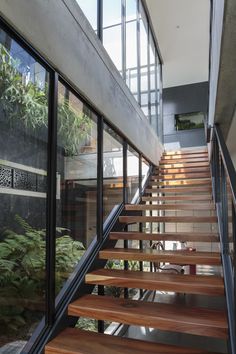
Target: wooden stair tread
{"x":175,"y":219}
{"x":166,"y":236}
{"x":188,"y":170}
{"x":192,"y":182}
{"x":199,"y":321}
{"x":77,"y":341}
{"x":184,"y":164}
{"x":152,"y":255}
{"x":176,"y":176}
{"x":178,"y":197}
{"x":186,"y":152}
{"x":174,"y":189}
{"x":184,"y":160}
{"x":192,"y":284}
{"x":189,"y":206}
{"x":182,"y":156}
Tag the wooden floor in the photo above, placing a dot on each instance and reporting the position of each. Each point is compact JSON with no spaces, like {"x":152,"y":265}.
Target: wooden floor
{"x":180,"y":184}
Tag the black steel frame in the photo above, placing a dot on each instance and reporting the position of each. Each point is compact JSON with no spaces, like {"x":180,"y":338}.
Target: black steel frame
{"x":224,"y":175}
{"x":56,"y":308}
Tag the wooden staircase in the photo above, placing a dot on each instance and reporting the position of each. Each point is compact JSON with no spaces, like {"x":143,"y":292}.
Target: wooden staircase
{"x":180,"y":184}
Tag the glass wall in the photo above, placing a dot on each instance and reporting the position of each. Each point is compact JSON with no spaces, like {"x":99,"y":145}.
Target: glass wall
{"x":132,"y":174}
{"x":112,"y":170}
{"x":50,"y":187}
{"x":128,"y":39}
{"x":23,"y":190}
{"x":76,"y":181}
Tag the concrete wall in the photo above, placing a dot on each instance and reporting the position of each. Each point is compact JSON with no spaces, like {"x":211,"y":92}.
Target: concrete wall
{"x":61,"y":33}
{"x":179,"y":100}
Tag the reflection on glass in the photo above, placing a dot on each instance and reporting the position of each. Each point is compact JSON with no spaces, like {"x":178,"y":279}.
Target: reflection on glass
{"x":76,"y":181}
{"x":89,"y":8}
{"x":112,"y":170}
{"x":113,"y":45}
{"x":23,"y":186}
{"x":132,"y":173}
{"x":145,"y":170}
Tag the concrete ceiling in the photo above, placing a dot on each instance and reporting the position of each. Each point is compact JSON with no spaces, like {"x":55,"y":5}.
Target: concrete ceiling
{"x":182,"y":31}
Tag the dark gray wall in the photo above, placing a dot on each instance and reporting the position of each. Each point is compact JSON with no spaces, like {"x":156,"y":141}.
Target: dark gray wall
{"x":184,"y":99}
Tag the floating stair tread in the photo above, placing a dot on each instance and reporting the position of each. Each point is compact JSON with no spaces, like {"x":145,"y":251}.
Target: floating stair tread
{"x":76,"y":341}
{"x":185,"y":152}
{"x":184,"y":164}
{"x":184,"y":190}
{"x":152,"y":255}
{"x":188,"y":170}
{"x":192,"y":284}
{"x":183,"y":183}
{"x":189,"y":206}
{"x":184,"y":160}
{"x":179,"y":197}
{"x":199,"y":321}
{"x":175,"y":219}
{"x":186,"y":156}
{"x":170,"y":236}
{"x":183,"y":176}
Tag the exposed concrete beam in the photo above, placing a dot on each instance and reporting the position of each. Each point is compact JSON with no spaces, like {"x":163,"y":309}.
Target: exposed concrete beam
{"x":226,"y":96}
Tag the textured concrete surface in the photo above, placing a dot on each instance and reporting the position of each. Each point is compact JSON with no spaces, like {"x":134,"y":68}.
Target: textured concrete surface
{"x":226,"y":98}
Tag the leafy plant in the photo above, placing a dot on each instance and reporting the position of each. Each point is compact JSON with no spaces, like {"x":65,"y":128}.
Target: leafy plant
{"x":111,"y":264}
{"x":22,"y":270}
{"x":24,"y":101}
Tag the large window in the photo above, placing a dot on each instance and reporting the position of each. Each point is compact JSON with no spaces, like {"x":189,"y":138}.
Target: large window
{"x":76,"y":181}
{"x":128,"y":39}
{"x":61,"y":173}
{"x":23,"y":190}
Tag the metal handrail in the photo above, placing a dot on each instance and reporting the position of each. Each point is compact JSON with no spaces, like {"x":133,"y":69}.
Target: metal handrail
{"x":223,"y":173}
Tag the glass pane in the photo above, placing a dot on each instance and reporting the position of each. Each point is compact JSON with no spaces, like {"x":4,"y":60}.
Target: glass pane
{"x":131,"y":55}
{"x":76,"y":182}
{"x":143,"y":43}
{"x":132,"y":174}
{"x":145,"y":170}
{"x":112,"y":44}
{"x":23,"y":188}
{"x":111,"y":12}
{"x":89,"y":8}
{"x":131,"y":10}
{"x":112,"y":170}
{"x":143,"y":57}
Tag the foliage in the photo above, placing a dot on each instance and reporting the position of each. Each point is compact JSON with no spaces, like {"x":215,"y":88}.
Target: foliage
{"x":111,"y":264}
{"x":87,"y":324}
{"x":22,"y":270}
{"x":24,"y":101}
